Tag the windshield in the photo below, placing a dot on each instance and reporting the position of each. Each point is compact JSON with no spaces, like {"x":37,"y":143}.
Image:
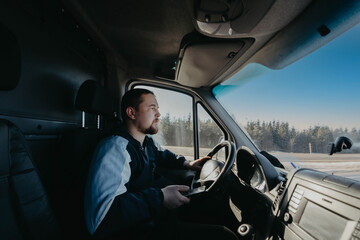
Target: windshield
{"x":294,"y":113}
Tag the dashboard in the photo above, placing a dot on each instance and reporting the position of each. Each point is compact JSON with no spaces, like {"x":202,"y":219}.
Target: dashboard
{"x":249,"y":170}
{"x":316,"y":205}
{"x":307,"y":204}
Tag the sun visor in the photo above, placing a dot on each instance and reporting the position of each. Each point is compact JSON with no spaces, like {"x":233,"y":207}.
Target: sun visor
{"x":10,"y":62}
{"x":202,"y":62}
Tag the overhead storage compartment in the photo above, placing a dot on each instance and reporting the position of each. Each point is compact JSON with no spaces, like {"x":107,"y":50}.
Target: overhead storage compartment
{"x":202,"y":59}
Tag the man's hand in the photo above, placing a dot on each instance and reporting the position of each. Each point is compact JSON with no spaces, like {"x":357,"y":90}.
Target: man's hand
{"x":196,"y":164}
{"x":172,"y":196}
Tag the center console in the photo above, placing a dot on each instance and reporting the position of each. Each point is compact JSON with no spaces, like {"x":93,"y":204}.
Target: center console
{"x":319,"y":206}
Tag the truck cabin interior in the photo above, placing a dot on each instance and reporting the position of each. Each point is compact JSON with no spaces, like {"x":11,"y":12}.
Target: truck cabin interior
{"x":65,"y":65}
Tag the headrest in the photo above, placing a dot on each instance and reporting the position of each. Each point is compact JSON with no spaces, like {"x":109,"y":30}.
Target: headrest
{"x":94,"y":98}
{"x":10,"y":64}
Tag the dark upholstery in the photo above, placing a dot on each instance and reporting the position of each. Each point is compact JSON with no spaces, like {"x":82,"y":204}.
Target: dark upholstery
{"x":10,"y":59}
{"x":70,"y":172}
{"x":94,"y":98}
{"x":75,"y":154}
{"x":25,"y":212}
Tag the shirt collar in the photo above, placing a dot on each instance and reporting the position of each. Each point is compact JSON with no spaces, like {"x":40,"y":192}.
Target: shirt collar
{"x":124,"y":133}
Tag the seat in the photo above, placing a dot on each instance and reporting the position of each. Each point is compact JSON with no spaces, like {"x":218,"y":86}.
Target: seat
{"x":75,"y":154}
{"x":25,"y":212}
{"x":94,"y":99}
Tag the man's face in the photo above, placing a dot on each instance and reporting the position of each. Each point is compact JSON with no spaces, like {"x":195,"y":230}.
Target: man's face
{"x":147,"y":115}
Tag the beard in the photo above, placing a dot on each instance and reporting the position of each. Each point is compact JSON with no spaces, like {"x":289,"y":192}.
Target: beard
{"x":153,"y":129}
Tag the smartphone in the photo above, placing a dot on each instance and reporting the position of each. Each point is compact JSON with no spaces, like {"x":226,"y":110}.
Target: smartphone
{"x":194,"y":191}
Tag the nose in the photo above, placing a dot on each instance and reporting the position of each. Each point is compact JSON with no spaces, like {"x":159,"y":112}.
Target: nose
{"x":157,"y":115}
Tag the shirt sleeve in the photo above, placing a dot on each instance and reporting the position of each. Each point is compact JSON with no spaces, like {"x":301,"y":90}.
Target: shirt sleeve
{"x":109,"y":173}
{"x":167,"y":158}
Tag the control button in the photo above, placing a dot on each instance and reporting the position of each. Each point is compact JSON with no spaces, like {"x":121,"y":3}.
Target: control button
{"x":356,"y":235}
{"x":292,"y":209}
{"x":245,"y":230}
{"x":297,"y":201}
{"x":296,"y":195}
{"x":299,"y":191}
{"x":287,"y":218}
{"x":294,"y":205}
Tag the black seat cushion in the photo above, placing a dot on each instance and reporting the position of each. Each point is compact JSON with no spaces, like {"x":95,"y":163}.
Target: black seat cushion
{"x":71,"y":169}
{"x":24,"y":206}
{"x":74,"y":155}
{"x":10,"y":59}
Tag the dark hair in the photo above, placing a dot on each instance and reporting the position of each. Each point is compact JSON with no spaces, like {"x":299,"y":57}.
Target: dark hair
{"x":132,"y":98}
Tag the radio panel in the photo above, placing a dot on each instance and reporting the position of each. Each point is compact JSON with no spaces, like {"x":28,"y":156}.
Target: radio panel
{"x":313,"y":215}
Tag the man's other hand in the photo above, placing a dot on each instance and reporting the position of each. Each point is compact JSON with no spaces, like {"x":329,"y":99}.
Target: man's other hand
{"x":196,"y":164}
{"x":172,"y":196}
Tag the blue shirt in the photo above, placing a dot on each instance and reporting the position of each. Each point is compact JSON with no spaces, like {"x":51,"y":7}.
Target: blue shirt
{"x":122,"y":167}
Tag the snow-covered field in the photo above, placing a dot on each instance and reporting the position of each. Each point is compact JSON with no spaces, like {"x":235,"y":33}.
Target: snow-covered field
{"x":347,"y":165}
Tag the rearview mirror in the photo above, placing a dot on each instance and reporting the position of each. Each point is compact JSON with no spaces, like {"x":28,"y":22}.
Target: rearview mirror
{"x":340,"y":144}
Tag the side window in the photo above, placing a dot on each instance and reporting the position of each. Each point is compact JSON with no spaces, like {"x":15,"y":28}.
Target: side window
{"x":176,"y":128}
{"x":209,"y":134}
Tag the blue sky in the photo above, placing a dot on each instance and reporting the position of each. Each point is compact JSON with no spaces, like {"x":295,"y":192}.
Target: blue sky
{"x":320,"y":89}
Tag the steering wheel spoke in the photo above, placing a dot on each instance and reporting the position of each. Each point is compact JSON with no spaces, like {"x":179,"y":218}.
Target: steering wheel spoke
{"x":213,"y":171}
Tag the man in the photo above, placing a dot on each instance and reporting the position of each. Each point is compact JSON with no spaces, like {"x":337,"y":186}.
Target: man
{"x":123,"y":191}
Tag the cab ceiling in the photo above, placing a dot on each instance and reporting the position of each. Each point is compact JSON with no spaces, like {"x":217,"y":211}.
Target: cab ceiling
{"x":146,"y":35}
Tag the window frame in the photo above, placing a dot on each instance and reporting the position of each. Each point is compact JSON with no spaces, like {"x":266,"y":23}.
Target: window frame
{"x":195,"y":101}
{"x":217,"y":123}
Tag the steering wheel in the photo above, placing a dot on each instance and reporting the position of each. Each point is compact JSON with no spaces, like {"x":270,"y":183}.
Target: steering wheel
{"x":213,"y":171}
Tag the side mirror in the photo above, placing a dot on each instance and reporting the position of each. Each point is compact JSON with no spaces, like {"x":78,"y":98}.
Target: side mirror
{"x":340,"y":144}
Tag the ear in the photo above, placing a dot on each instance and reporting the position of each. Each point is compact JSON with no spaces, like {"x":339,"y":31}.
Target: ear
{"x":130,"y":112}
